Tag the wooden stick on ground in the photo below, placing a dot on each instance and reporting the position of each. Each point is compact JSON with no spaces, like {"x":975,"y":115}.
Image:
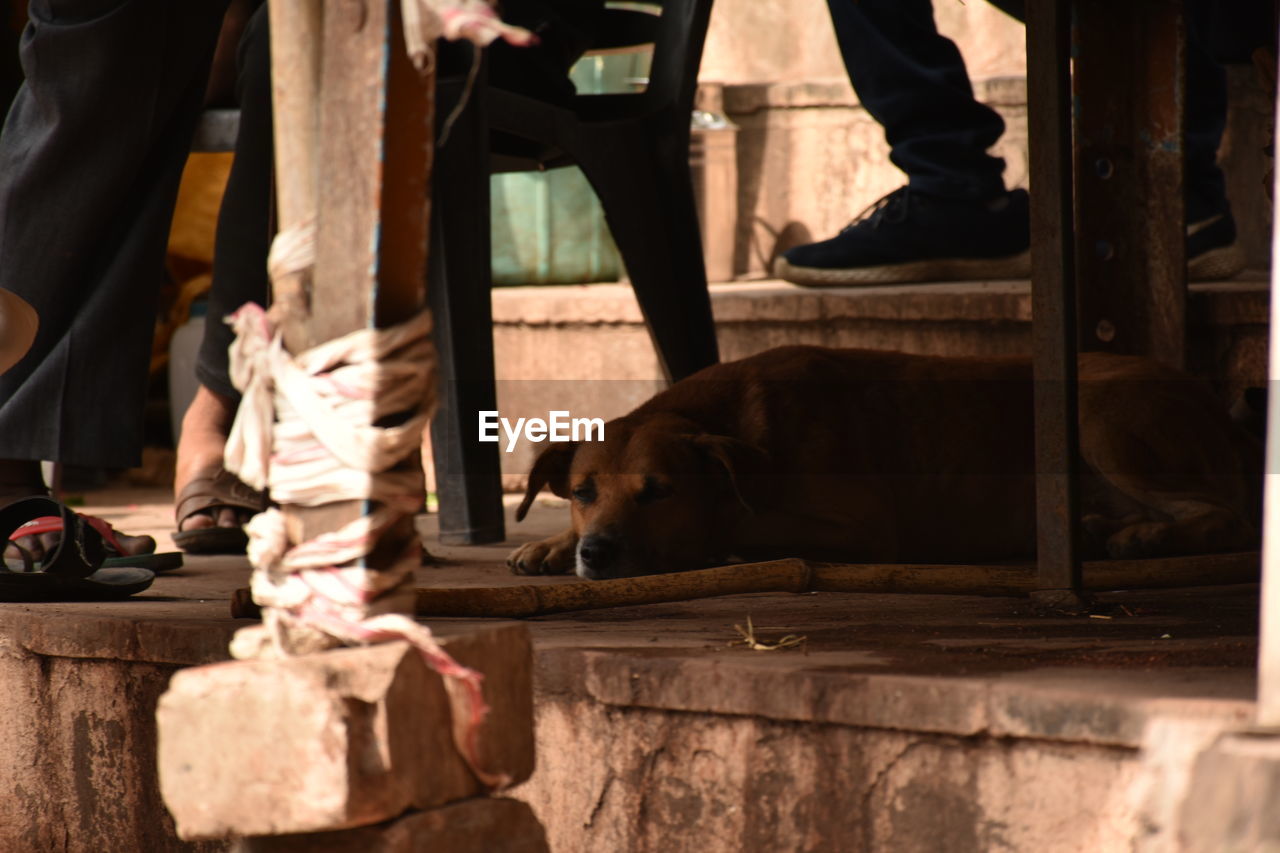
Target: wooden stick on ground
{"x":796,"y":576}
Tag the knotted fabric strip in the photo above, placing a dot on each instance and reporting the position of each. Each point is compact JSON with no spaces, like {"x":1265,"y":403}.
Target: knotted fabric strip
{"x":324,"y":447}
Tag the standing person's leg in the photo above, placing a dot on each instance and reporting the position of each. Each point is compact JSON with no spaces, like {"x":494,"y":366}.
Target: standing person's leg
{"x":913,"y":81}
{"x":954,"y":218}
{"x":90,"y":159}
{"x":206,"y":496}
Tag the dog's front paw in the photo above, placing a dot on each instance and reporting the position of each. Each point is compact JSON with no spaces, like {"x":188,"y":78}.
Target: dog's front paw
{"x":1140,"y":541}
{"x":554,"y":556}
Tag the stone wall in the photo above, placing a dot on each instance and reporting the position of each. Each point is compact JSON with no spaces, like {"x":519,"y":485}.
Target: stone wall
{"x":754,"y":41}
{"x":78,"y":754}
{"x":671,"y":782}
{"x":585,"y":349}
{"x":668,"y":752}
{"x":810,"y":158}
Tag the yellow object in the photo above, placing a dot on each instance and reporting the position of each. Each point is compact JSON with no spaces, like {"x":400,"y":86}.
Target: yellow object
{"x":195,"y":218}
{"x":191,"y":241}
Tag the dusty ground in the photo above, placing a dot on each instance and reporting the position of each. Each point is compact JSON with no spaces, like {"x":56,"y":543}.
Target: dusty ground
{"x":895,"y":722}
{"x":1190,"y":642}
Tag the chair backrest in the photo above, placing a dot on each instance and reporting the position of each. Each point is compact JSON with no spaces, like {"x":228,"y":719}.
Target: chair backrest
{"x":675,"y":28}
{"x":677,"y":35}
{"x":677,"y":52}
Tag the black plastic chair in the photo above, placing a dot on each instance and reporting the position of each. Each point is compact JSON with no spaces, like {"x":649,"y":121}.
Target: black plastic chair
{"x":634,"y":150}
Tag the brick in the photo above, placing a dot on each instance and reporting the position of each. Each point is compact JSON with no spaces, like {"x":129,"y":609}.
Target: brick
{"x":482,"y":825}
{"x":335,"y":740}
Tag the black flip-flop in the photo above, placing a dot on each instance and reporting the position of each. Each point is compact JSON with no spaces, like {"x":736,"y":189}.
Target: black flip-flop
{"x":115,"y":556}
{"x":155,"y":563}
{"x":163,"y":561}
{"x":74,"y":570}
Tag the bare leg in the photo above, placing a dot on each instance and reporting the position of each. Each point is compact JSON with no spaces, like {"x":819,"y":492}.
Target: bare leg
{"x":204,"y":434}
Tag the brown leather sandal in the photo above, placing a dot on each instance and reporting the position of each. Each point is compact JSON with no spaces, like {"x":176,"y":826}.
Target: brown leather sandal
{"x":213,"y":489}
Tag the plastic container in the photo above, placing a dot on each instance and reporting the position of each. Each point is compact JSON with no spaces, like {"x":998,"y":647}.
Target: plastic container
{"x":713,"y":165}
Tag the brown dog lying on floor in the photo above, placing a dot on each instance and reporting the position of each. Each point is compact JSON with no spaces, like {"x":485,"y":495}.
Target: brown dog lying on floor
{"x":867,"y":456}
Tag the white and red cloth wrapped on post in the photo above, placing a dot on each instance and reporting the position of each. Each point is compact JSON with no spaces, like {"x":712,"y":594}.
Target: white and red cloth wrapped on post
{"x":308,"y":431}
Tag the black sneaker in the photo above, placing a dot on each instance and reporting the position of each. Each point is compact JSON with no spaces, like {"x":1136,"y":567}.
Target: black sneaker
{"x":908,"y":237}
{"x":1212,"y":251}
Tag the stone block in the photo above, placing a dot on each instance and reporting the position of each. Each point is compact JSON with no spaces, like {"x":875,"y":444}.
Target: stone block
{"x":335,"y":740}
{"x":1231,"y":803}
{"x":78,"y":753}
{"x":481,"y":825}
{"x":639,"y":779}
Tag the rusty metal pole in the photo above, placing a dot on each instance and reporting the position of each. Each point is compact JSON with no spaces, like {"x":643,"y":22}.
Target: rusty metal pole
{"x":1108,"y":223}
{"x":1130,"y":224}
{"x":1053,"y":297}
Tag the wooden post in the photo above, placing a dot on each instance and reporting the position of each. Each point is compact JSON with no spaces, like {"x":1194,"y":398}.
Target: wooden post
{"x":295,"y":93}
{"x":350,"y":107}
{"x":392,"y":745}
{"x":1269,"y":639}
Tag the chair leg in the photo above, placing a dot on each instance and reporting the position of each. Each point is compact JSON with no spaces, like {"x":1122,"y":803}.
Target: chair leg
{"x":655,"y":224}
{"x":468,"y":473}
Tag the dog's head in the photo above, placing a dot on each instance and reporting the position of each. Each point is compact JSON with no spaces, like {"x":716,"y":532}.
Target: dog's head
{"x":652,"y":497}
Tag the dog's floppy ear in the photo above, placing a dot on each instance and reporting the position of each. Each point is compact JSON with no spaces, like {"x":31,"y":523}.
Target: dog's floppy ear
{"x":741,"y":460}
{"x":551,"y":468}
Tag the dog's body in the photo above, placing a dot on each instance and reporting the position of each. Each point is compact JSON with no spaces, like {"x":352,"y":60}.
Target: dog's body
{"x":876,"y":456}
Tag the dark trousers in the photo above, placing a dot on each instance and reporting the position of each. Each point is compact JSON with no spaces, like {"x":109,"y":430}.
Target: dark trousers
{"x":913,"y":81}
{"x":90,"y":159}
{"x":245,"y":226}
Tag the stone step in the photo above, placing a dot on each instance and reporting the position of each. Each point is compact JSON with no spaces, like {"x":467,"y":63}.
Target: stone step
{"x":481,"y":825}
{"x":584,"y":348}
{"x":901,"y":720}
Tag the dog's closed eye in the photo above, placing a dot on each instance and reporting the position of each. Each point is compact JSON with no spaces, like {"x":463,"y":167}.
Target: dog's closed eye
{"x":585,"y":492}
{"x":653,"y":490}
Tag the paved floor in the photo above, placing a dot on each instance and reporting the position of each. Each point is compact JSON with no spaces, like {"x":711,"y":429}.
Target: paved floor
{"x":655,"y":723}
{"x":964,"y":659}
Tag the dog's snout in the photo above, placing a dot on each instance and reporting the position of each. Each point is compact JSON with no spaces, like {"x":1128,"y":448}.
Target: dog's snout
{"x":598,"y":552}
